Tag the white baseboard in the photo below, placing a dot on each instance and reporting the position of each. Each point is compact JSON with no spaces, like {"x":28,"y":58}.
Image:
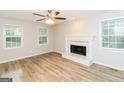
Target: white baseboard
{"x":14,"y":59}
{"x":58,"y":52}
{"x":107,"y":65}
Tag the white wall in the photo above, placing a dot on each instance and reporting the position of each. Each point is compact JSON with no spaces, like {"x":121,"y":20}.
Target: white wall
{"x":112,"y":58}
{"x":61,"y":31}
{"x":90,"y":26}
{"x":30,"y":41}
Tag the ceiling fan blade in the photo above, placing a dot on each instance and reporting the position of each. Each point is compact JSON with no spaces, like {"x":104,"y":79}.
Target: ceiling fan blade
{"x":57,"y":13}
{"x":41,"y":19}
{"x":60,"y":18}
{"x":39,"y":14}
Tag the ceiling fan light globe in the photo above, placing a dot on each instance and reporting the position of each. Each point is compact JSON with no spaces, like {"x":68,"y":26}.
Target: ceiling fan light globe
{"x":49,"y":21}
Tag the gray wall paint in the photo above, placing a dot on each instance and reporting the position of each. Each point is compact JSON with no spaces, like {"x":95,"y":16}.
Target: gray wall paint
{"x":90,"y":26}
{"x":30,"y":41}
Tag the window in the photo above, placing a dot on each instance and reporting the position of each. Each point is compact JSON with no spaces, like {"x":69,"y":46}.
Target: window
{"x":43,"y":36}
{"x":113,"y":33}
{"x":13,"y":36}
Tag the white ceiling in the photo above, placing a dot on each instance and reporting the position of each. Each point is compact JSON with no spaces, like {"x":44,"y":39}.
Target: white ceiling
{"x":28,"y":16}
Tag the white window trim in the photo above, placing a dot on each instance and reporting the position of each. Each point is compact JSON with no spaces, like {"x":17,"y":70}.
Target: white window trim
{"x":100,"y":35}
{"x":43,"y":35}
{"x":4,"y":37}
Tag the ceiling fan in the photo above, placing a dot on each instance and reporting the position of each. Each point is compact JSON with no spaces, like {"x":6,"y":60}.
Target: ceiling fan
{"x":50,"y":17}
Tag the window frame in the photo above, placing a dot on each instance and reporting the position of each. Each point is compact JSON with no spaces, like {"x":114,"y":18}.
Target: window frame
{"x":43,"y":35}
{"x":4,"y":37}
{"x":101,"y":36}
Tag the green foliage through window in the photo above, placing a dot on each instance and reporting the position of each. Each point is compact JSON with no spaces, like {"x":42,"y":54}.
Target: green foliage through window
{"x":113,"y":33}
{"x":13,"y":35}
{"x":43,"y":36}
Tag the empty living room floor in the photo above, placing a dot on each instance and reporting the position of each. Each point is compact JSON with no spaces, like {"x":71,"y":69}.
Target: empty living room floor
{"x":51,"y":67}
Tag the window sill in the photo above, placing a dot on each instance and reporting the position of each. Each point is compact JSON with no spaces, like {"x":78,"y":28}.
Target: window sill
{"x":113,"y":50}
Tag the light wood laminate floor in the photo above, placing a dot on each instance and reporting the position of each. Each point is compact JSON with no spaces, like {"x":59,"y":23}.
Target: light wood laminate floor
{"x":51,"y":67}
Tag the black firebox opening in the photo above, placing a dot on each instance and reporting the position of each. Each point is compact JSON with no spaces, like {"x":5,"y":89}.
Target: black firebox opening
{"x":78,"y":49}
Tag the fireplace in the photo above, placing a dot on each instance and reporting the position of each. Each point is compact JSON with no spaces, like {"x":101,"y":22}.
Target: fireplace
{"x":81,"y":50}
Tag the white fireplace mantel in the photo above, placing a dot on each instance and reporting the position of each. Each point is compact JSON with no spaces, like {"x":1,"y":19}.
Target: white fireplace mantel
{"x":79,"y":40}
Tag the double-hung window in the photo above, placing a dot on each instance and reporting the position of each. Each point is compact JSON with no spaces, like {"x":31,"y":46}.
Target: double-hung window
{"x":43,"y":36}
{"x":13,"y":36}
{"x":113,"y":33}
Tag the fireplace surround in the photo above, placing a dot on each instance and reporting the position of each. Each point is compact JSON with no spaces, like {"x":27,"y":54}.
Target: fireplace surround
{"x":83,"y":49}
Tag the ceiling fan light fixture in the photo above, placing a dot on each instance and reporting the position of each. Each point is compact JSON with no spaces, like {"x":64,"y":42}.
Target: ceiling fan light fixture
{"x":50,"y":17}
{"x":49,"y":21}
